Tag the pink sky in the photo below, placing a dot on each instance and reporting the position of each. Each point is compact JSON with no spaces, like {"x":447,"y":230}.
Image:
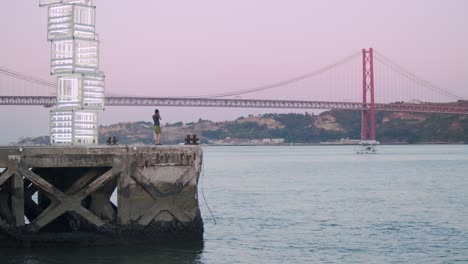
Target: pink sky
{"x":178,"y":48}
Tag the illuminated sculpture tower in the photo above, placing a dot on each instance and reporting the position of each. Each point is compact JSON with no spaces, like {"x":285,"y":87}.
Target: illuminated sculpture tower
{"x":75,"y":63}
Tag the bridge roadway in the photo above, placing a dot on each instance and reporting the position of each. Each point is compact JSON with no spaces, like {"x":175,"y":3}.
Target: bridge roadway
{"x":49,"y":101}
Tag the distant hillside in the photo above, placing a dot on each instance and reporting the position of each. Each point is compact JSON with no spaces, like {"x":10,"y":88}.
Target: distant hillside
{"x":332,"y":125}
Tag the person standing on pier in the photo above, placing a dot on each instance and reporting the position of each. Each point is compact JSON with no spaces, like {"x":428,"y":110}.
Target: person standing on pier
{"x":157,"y":127}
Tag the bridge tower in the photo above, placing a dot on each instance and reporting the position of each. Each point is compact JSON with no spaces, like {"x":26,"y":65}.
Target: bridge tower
{"x":368,"y":103}
{"x":75,"y":63}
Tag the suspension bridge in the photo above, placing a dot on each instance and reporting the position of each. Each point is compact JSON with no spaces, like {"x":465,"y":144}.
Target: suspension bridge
{"x":366,"y":81}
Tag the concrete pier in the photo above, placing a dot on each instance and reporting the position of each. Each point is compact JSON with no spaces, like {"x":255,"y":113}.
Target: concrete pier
{"x":99,"y":195}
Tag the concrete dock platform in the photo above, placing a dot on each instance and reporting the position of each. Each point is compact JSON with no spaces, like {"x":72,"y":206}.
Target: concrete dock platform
{"x":99,"y":195}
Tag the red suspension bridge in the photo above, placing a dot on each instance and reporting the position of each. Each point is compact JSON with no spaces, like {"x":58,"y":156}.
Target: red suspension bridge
{"x":348,"y":84}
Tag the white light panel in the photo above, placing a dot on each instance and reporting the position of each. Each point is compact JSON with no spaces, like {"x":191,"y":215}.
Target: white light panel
{"x":71,"y":21}
{"x":75,"y":62}
{"x":58,"y":2}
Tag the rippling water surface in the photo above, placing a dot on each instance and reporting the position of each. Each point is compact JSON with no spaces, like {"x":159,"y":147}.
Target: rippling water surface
{"x":314,"y":205}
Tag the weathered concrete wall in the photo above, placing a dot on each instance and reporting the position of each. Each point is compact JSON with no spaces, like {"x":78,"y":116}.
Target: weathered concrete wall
{"x":64,"y":193}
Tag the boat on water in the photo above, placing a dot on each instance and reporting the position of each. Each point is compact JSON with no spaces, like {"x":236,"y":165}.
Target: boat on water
{"x":367,"y":147}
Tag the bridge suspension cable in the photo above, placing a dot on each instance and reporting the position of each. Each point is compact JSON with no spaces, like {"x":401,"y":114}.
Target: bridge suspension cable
{"x":415,"y":78}
{"x":27,"y":78}
{"x":378,"y":57}
{"x":38,"y":81}
{"x":283,"y":82}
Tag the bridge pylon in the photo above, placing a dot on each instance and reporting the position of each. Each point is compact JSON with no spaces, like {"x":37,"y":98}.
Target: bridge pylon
{"x":368,"y":102}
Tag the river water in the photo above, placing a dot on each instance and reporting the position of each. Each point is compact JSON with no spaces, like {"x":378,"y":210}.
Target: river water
{"x":407,"y":204}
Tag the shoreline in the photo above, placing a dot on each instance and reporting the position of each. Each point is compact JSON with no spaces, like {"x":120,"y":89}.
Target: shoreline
{"x":256,"y":145}
{"x":324,"y":144}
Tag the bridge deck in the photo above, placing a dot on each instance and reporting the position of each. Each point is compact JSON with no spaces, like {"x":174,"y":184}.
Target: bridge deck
{"x":49,"y":101}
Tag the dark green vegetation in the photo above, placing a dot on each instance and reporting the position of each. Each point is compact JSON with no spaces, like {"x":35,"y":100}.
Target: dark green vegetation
{"x":300,"y":128}
{"x":424,"y":128}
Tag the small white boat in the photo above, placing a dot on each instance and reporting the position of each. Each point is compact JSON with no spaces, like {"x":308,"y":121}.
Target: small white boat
{"x":367,"y":147}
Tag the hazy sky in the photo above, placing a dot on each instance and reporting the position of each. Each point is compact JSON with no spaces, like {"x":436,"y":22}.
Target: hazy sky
{"x":175,"y":48}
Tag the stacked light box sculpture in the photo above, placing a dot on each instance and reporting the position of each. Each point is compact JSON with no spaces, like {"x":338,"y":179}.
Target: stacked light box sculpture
{"x":75,"y":63}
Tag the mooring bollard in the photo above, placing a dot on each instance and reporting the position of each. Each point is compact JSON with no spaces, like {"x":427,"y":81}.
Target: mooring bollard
{"x":112,"y":141}
{"x":195,"y":140}
{"x":189,"y":140}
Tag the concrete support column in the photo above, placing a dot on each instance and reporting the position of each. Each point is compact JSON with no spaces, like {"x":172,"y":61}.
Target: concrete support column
{"x":17,"y":199}
{"x":123,"y":191}
{"x":17,"y":191}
